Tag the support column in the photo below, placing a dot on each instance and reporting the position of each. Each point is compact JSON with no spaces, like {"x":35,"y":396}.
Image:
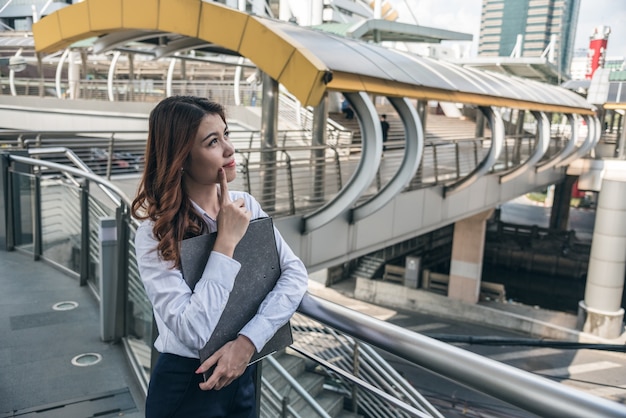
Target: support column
{"x":422,"y":112}
{"x":73,"y":75}
{"x":479,"y":130}
{"x":269,"y":133}
{"x":600,"y":313}
{"x":466,"y":266}
{"x":621,"y":138}
{"x":559,"y":213}
{"x":319,"y":136}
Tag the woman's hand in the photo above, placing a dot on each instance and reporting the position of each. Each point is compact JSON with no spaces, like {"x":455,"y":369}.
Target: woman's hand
{"x":232,"y":219}
{"x":230,"y":362}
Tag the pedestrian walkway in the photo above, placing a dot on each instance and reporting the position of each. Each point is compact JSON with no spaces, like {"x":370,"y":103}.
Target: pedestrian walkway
{"x":48,"y":322}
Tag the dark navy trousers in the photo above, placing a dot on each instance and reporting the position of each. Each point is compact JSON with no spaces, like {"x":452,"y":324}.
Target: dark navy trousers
{"x":174,"y":392}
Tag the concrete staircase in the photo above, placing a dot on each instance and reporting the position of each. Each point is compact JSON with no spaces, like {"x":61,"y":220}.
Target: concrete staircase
{"x":368,"y":266}
{"x":312,"y":382}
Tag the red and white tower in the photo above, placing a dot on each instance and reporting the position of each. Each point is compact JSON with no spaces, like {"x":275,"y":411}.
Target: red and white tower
{"x":597,"y":49}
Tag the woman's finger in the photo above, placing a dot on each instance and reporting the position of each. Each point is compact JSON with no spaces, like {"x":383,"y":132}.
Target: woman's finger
{"x":224,"y":196}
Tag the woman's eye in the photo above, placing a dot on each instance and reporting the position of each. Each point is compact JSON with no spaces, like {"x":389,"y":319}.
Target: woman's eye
{"x":213,"y":142}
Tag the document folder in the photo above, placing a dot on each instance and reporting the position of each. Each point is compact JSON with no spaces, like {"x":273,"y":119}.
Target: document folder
{"x":260,"y":270}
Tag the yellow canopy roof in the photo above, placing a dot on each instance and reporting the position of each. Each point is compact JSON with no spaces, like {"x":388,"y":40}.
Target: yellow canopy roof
{"x":306,"y":61}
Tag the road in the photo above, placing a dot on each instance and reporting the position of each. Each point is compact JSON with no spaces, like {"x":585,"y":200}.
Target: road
{"x":602,"y":373}
{"x":526,"y":212}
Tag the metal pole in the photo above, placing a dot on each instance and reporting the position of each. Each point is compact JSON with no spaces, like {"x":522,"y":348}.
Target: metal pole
{"x":37,"y":228}
{"x":84,"y":232}
{"x":355,"y":372}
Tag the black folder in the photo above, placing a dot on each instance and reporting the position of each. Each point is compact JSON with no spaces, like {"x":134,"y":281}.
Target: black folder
{"x":260,"y":270}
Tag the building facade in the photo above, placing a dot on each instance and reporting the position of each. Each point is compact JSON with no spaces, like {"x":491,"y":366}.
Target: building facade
{"x":529,"y":28}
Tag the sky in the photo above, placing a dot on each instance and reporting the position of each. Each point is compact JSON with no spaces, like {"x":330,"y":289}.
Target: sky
{"x":464,"y":16}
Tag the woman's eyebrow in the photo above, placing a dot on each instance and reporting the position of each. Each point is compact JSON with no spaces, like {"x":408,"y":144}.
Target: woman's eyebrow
{"x":208,"y":136}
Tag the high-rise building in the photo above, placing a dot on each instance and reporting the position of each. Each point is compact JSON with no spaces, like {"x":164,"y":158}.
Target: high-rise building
{"x":529,"y":28}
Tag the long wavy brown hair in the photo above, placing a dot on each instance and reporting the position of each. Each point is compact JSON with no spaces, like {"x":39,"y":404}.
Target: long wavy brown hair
{"x":161,"y":197}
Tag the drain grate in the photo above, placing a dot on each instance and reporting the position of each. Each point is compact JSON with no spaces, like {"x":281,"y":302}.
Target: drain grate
{"x":113,"y":403}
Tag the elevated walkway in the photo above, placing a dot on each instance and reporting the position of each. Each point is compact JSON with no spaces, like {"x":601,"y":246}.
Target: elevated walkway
{"x":41,"y":373}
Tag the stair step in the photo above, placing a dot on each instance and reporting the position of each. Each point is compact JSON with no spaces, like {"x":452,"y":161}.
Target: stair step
{"x":331,"y":402}
{"x":294,"y":365}
{"x":348,"y":414}
{"x":311,"y":382}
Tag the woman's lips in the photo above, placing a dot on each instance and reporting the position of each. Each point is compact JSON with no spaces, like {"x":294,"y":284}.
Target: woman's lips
{"x":230,"y":164}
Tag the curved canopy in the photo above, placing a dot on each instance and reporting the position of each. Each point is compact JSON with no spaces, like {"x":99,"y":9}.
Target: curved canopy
{"x":306,"y":61}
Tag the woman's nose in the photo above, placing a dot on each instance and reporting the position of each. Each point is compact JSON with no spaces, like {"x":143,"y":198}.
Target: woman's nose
{"x":229,"y":148}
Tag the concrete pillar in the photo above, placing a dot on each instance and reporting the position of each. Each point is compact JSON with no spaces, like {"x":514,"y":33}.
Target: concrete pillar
{"x":600,"y":313}
{"x":466,"y":266}
{"x":559,"y":213}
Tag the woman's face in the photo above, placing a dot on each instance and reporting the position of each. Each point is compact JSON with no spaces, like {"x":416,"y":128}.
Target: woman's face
{"x":211,"y":151}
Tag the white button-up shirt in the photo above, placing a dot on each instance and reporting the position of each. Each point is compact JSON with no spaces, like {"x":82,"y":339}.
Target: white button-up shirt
{"x":185,"y":318}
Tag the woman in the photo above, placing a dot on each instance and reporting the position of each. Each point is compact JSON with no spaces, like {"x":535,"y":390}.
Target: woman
{"x":184,"y":193}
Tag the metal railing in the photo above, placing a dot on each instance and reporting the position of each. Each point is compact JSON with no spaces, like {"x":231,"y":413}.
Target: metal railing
{"x":295,"y":171}
{"x":36,"y":184}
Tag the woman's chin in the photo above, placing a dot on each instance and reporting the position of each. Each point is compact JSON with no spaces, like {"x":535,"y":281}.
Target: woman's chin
{"x":231,"y":174}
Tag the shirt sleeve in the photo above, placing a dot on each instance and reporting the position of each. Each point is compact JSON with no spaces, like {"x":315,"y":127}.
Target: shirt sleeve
{"x":281,"y":303}
{"x":190,"y":316}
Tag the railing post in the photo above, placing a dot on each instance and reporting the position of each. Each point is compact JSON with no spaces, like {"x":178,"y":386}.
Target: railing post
{"x":108,"y":281}
{"x":37,"y":227}
{"x":458,"y":160}
{"x":285,"y":403}
{"x":84,"y":233}
{"x":355,"y":372}
{"x":110,"y":159}
{"x":435,"y":167}
{"x":291,"y":192}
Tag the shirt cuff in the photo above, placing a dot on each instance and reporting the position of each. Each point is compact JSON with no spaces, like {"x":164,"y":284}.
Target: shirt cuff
{"x":221,"y":269}
{"x":259,"y":331}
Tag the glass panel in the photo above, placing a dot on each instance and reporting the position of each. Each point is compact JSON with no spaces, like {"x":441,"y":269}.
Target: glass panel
{"x":138,"y":313}
{"x":60,"y":223}
{"x":23,"y":203}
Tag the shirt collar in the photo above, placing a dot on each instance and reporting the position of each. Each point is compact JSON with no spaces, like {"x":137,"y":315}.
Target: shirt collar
{"x":211,"y":223}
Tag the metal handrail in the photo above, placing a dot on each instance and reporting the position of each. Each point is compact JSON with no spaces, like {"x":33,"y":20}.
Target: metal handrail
{"x":527,"y":391}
